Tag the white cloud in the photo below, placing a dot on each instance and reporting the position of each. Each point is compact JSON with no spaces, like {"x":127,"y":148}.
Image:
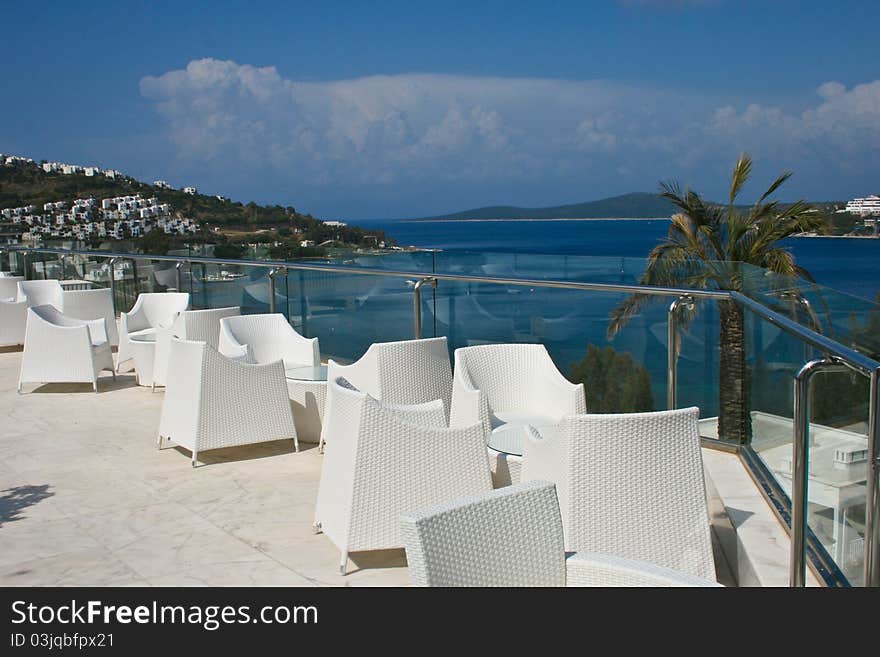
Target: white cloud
{"x":424,"y":134}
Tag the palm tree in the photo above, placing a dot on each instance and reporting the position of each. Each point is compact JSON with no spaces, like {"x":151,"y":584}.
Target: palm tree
{"x":704,"y":248}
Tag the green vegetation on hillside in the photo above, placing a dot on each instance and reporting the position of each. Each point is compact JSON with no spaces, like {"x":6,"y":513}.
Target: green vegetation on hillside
{"x":28,"y":184}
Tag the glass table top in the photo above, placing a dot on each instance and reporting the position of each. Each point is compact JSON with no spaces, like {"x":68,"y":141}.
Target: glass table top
{"x":306,"y":373}
{"x":508,"y":438}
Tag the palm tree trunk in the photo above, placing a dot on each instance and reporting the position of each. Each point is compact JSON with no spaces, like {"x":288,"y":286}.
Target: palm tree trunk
{"x":734,"y":385}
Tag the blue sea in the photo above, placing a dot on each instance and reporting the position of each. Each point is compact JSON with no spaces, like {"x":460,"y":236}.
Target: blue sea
{"x":348,"y":312}
{"x":850,"y":265}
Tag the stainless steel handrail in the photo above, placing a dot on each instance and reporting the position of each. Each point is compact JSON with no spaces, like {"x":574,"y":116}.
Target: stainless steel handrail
{"x":672,"y":349}
{"x":833,"y":351}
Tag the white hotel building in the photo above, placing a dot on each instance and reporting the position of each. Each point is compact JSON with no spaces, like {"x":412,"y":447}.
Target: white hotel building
{"x":869,"y":205}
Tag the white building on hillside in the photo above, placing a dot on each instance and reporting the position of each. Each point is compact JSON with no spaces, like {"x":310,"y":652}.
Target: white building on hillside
{"x":868,"y":205}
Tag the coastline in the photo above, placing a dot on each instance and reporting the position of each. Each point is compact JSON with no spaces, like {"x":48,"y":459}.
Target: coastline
{"x":462,"y":221}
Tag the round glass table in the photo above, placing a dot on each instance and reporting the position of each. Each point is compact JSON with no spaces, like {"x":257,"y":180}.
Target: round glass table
{"x":306,"y":373}
{"x":307,"y":388}
{"x":505,"y":447}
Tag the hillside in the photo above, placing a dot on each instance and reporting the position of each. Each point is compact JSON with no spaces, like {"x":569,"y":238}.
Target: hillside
{"x":634,"y":205}
{"x":28,"y":184}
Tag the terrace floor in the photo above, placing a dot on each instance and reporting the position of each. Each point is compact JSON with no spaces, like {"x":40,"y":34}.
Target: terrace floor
{"x":86,"y":499}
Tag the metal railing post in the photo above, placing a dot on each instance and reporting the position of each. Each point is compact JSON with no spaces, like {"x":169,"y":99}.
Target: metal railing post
{"x":272,"y":274}
{"x":872,"y":500}
{"x":177,"y":267}
{"x":800,"y":464}
{"x":417,"y":304}
{"x":112,"y":264}
{"x":672,"y":348}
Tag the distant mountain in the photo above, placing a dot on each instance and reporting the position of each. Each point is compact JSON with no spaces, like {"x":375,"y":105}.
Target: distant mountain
{"x":634,"y":205}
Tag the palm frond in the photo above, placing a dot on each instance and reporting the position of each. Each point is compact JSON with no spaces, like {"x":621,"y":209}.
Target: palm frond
{"x":741,"y":173}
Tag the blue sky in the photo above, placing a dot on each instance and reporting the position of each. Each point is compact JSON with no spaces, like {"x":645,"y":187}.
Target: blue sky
{"x":393,"y":109}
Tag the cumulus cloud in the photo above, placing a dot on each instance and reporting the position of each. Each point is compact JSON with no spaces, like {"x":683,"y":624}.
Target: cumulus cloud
{"x":413,"y":134}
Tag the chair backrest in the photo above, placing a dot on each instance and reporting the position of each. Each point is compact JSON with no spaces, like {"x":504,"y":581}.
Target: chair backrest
{"x":203,"y":325}
{"x":403,"y":372}
{"x":162,"y":307}
{"x":504,"y":372}
{"x":9,"y":287}
{"x":508,"y":537}
{"x":93,"y":304}
{"x":269,"y":337}
{"x":636,"y":488}
{"x":41,"y":293}
{"x":219,"y":402}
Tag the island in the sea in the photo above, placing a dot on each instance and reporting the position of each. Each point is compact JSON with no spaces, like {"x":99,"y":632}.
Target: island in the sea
{"x":636,"y":205}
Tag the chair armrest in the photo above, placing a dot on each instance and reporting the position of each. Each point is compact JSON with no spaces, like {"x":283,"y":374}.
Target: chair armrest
{"x":557,"y":394}
{"x":306,"y":350}
{"x":135,"y":319}
{"x":97,"y":330}
{"x":469,"y":405}
{"x":593,"y":569}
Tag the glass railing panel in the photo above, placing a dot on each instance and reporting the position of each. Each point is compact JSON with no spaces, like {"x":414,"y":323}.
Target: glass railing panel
{"x":219,"y":286}
{"x":837,"y":449}
{"x":348,"y":312}
{"x":625,"y":373}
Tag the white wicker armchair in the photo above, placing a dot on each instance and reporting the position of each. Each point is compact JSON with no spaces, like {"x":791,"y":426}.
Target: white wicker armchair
{"x":386,"y":460}
{"x":265,"y":339}
{"x":9,"y":287}
{"x":197,"y":325}
{"x":507,"y":387}
{"x":630,"y":485}
{"x":403,"y":372}
{"x":152,"y":310}
{"x":513,"y":537}
{"x":41,"y":293}
{"x":92,"y":304}
{"x":213,"y":402}
{"x":517,"y":384}
{"x":60,"y":349}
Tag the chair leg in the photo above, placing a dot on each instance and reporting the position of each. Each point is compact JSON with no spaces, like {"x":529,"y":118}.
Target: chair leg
{"x":295,"y":444}
{"x":95,"y":386}
{"x":159,"y":442}
{"x":316,"y":527}
{"x":195,"y":458}
{"x":343,"y":563}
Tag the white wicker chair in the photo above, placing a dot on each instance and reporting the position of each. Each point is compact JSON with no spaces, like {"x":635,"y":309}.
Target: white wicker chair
{"x":197,"y":325}
{"x":92,"y":304}
{"x":386,"y":460}
{"x":60,"y":349}
{"x":404,"y":372}
{"x":9,"y":287}
{"x":213,"y":402}
{"x":630,"y":485}
{"x":507,"y":387}
{"x":152,"y":310}
{"x":265,"y":339}
{"x":513,"y":537}
{"x":518,"y":384}
{"x":41,"y":293}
